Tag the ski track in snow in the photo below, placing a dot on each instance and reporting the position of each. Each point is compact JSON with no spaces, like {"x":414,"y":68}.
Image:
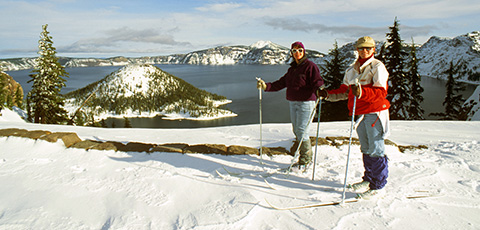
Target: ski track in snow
{"x":46,"y":186}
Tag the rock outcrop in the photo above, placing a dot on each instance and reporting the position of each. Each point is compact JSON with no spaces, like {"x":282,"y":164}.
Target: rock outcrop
{"x":71,"y":140}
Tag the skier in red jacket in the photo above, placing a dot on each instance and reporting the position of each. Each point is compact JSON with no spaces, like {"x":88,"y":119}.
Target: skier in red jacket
{"x":367,"y":80}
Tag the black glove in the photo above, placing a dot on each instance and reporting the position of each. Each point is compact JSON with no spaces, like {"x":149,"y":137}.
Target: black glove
{"x":356,"y":90}
{"x":322,"y":93}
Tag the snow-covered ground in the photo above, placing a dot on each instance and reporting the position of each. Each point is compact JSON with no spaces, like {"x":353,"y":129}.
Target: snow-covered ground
{"x":47,"y":186}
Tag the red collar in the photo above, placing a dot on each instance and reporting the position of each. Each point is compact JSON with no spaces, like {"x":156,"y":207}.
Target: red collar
{"x":363,"y":60}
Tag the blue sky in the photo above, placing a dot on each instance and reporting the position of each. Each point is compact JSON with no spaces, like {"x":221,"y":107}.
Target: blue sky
{"x":106,"y":28}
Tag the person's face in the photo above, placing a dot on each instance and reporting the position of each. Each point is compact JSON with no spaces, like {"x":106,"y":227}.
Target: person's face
{"x":365,"y":52}
{"x":297,"y":52}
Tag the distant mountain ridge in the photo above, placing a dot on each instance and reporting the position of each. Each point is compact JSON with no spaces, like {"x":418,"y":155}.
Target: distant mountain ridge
{"x":261,"y":52}
{"x":434,"y":57}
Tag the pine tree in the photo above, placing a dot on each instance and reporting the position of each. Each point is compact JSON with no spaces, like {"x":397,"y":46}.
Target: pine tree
{"x":333,"y":73}
{"x":453,"y":102}
{"x":334,"y":69}
{"x":127,"y":123}
{"x":381,"y":54}
{"x":19,"y":99}
{"x":398,"y":89}
{"x":48,"y":79}
{"x":2,"y":94}
{"x":415,"y":110}
{"x":103,"y":123}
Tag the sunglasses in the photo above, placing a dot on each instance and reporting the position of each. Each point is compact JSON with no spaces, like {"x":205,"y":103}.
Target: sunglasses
{"x":365,"y":48}
{"x":297,"y":50}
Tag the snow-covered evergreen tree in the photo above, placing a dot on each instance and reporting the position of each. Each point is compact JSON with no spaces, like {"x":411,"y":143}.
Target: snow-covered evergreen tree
{"x":381,"y":54}
{"x":127,"y":123}
{"x":334,"y":69}
{"x":333,"y":73}
{"x":19,"y":99}
{"x":453,"y":101}
{"x":46,"y":103}
{"x":2,"y":94}
{"x":415,"y":110}
{"x":398,"y":89}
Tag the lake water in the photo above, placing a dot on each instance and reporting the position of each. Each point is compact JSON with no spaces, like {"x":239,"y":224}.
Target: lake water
{"x":237,"y":83}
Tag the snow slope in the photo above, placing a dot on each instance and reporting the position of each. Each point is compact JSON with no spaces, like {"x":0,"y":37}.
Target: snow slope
{"x":47,"y":186}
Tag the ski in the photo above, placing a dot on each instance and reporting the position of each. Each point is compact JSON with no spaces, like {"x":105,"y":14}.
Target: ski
{"x":232,"y":173}
{"x":423,"y":194}
{"x":221,"y":175}
{"x":269,"y":185}
{"x":321,"y":204}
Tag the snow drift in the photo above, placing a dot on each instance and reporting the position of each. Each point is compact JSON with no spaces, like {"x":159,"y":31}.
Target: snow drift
{"x":47,"y":186}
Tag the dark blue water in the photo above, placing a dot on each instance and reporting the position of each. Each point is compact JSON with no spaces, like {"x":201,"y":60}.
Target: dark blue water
{"x":237,"y":83}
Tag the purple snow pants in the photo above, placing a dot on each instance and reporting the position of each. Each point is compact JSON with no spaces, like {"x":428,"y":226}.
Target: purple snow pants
{"x":376,"y":171}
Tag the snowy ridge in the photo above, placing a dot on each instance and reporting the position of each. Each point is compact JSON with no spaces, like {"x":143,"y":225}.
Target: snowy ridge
{"x":437,"y":53}
{"x":476,"y":109}
{"x":261,"y":52}
{"x":434,"y":57}
{"x":475,"y":37}
{"x":266,"y":45}
{"x":260,"y":44}
{"x":17,"y":64}
{"x":131,"y":77}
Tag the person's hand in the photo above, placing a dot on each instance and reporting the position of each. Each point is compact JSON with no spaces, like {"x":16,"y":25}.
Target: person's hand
{"x":261,"y":84}
{"x":356,"y":90}
{"x":322,"y":93}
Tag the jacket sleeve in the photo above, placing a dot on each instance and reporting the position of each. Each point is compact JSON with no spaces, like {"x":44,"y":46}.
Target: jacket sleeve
{"x":277,"y":85}
{"x":338,"y":94}
{"x":317,"y":78}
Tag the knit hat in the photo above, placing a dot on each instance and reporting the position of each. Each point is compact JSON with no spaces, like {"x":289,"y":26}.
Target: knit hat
{"x":365,"y":42}
{"x":297,"y":44}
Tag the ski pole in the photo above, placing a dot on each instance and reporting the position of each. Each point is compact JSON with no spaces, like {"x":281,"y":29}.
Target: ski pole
{"x":316,"y":139}
{"x":349,"y":145}
{"x":260,"y":120}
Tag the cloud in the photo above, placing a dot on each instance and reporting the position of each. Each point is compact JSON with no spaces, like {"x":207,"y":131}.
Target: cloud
{"x":116,"y":38}
{"x":146,"y":35}
{"x":219,"y":8}
{"x":352,"y":31}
